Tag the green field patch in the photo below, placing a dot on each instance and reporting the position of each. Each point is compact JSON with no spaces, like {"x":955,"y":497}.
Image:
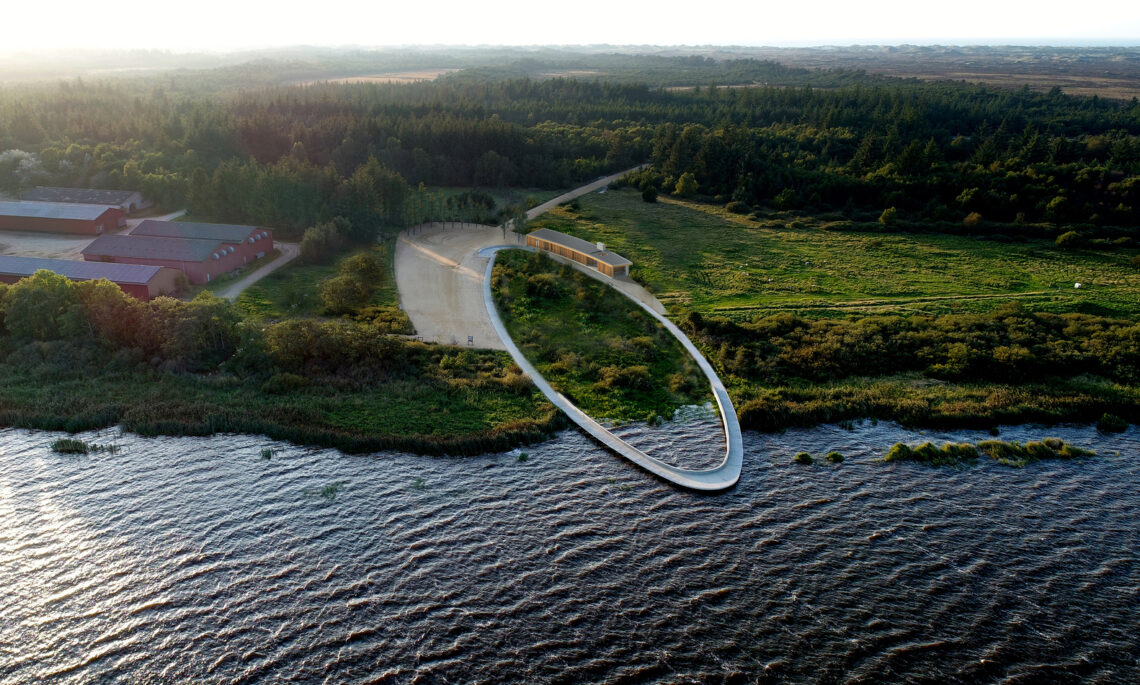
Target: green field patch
{"x":295,"y":291}
{"x":599,"y":349}
{"x":715,"y":261}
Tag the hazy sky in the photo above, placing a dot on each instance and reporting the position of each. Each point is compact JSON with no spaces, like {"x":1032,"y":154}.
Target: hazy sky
{"x":224,"y":24}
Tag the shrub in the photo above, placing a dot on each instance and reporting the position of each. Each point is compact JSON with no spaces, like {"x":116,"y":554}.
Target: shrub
{"x":834,"y":457}
{"x":544,"y":286}
{"x":366,"y":266}
{"x":284,"y":383}
{"x":649,"y":194}
{"x":889,"y":217}
{"x":738,"y":207}
{"x":322,"y":242}
{"x":1136,"y":261}
{"x":1069,"y":241}
{"x":344,"y":294}
{"x":1111,"y":423}
{"x":972,"y":219}
{"x":803,"y":458}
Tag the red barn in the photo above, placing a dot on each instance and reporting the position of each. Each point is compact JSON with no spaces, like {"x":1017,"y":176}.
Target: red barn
{"x":59,"y":217}
{"x":201,"y":260}
{"x":248,"y":242}
{"x":129,"y":201}
{"x":143,"y":282}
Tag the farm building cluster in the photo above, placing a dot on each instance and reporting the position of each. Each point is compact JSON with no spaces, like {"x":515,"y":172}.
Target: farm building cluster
{"x":149,"y":259}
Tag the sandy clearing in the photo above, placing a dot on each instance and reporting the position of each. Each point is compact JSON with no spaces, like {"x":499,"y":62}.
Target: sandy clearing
{"x":440,"y":278}
{"x":50,"y":245}
{"x":390,"y":77}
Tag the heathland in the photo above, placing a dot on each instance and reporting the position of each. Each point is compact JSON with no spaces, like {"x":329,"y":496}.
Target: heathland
{"x":594,"y":346}
{"x":809,"y":323}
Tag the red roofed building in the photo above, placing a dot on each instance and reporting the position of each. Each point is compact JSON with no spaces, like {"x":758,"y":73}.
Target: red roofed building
{"x":59,"y":217}
{"x":143,"y":282}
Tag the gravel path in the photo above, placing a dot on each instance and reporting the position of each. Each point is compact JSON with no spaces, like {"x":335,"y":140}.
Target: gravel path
{"x":288,"y":252}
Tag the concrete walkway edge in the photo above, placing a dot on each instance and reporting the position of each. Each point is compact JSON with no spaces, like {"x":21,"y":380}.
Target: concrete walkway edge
{"x":718,"y":478}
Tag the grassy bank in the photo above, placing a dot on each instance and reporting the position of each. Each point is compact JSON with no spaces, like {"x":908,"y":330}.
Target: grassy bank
{"x":700,"y":257}
{"x":593,"y":344}
{"x":473,"y":406}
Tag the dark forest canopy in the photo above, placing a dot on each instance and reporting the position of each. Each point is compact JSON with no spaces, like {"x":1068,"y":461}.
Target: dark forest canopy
{"x":294,"y":156}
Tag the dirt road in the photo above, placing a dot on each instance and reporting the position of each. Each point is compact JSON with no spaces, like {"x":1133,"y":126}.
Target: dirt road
{"x":288,"y":252}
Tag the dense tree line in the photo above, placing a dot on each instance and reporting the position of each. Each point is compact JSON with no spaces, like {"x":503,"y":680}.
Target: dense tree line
{"x":295,"y":156}
{"x":934,"y":153}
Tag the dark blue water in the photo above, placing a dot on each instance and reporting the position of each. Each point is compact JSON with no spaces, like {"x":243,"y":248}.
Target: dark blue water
{"x":191,"y":559}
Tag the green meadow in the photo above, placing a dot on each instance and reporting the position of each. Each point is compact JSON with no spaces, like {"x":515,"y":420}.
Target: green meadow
{"x":700,"y":257}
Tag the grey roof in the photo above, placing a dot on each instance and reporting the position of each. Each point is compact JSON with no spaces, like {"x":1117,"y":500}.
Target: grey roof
{"x":54,"y":210}
{"x":227,"y":233}
{"x":583,"y":246}
{"x":80,"y":271}
{"x":149,"y":247}
{"x":89,"y":196}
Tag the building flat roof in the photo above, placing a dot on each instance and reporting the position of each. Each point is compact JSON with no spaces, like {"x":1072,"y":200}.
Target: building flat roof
{"x":87,"y":196}
{"x":54,"y":210}
{"x":227,"y":233}
{"x":152,"y":247}
{"x":583,"y":246}
{"x":80,"y":271}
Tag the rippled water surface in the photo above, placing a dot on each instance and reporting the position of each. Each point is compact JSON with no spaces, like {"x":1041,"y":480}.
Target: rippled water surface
{"x":188,"y":559}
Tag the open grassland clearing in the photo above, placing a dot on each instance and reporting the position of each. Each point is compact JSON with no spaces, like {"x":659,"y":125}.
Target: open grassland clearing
{"x":296,"y":291}
{"x":389,"y":77}
{"x":594,"y":345}
{"x":699,"y":257}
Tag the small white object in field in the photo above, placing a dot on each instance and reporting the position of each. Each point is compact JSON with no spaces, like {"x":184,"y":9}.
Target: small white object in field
{"x":1077,"y":285}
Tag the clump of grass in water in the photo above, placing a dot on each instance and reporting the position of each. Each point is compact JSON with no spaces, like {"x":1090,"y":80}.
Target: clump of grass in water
{"x":803,"y":458}
{"x":1111,"y":423}
{"x":73,"y":446}
{"x":330,"y":491}
{"x":70,"y":446}
{"x":523,"y":456}
{"x":950,"y":454}
{"x":1016,"y":454}
{"x":1006,"y":453}
{"x":834,"y":457}
{"x":418,"y":484}
{"x":267,"y":453}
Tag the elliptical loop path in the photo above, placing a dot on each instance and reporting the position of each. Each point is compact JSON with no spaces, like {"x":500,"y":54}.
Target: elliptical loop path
{"x":719,"y":478}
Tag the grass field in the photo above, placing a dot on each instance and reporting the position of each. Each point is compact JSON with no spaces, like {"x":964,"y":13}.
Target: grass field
{"x":505,"y":197}
{"x":294,"y":290}
{"x":700,"y":257}
{"x":593,"y":344}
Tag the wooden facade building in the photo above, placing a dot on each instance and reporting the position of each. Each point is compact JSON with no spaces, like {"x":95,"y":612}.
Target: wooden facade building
{"x":593,"y":255}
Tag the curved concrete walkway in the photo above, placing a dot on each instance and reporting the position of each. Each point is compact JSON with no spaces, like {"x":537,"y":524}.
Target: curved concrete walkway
{"x":719,"y":478}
